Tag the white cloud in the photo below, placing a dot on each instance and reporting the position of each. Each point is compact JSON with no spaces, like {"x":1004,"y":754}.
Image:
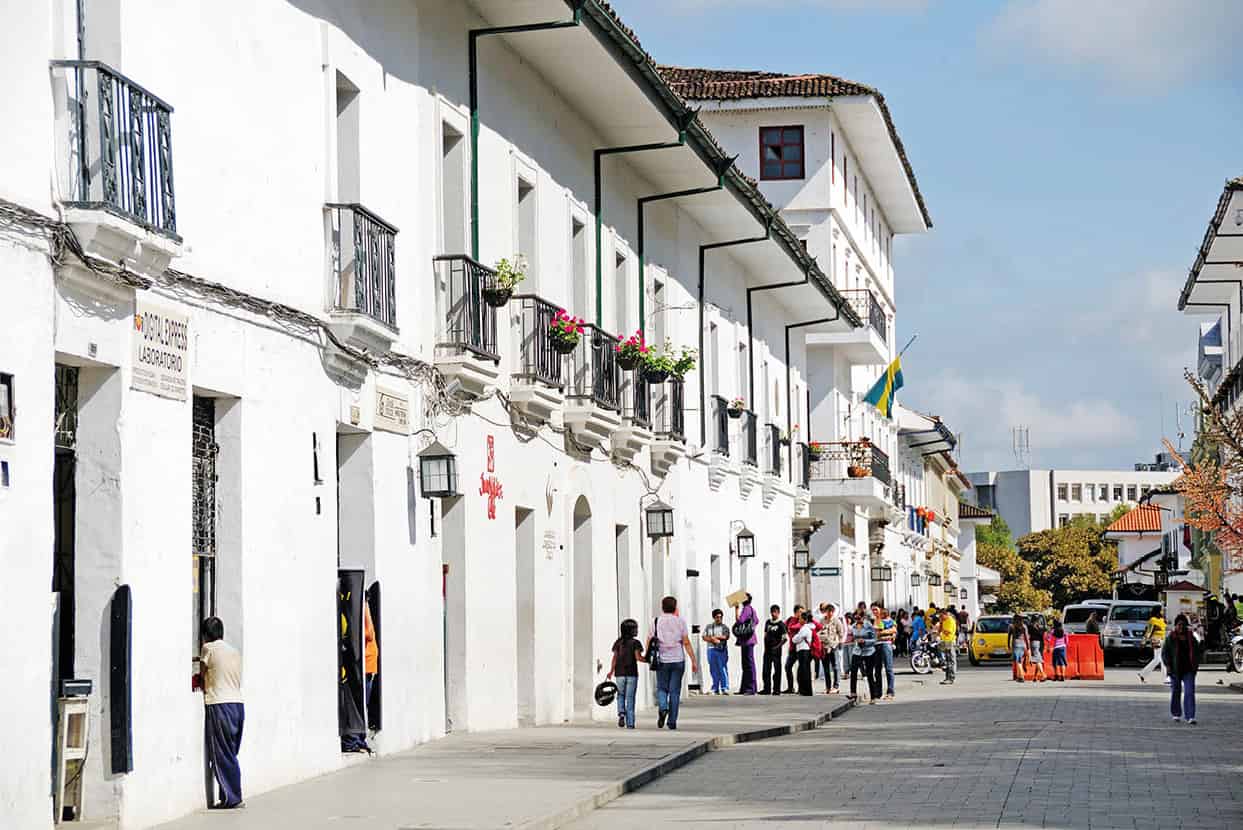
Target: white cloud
{"x":1137,"y":43}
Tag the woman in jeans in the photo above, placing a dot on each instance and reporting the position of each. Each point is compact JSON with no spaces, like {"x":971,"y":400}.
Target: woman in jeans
{"x":887,"y":634}
{"x":1181,"y":654}
{"x":672,"y":639}
{"x":627,"y":654}
{"x":864,"y":639}
{"x":1018,"y":646}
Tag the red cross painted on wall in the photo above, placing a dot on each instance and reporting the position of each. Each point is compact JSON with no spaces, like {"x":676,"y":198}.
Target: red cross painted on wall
{"x":491,"y":487}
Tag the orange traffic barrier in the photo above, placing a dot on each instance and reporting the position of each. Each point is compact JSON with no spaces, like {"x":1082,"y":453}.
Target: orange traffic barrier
{"x":1084,"y":659}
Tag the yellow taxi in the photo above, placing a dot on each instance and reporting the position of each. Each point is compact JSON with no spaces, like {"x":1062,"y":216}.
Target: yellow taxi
{"x":990,"y":640}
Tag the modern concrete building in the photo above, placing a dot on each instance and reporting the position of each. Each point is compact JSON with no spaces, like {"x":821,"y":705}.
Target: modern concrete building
{"x":827,"y":154}
{"x":254,"y":350}
{"x":1034,"y":500}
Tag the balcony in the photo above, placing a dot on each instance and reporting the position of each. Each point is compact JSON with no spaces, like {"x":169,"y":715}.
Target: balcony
{"x":537,"y":387}
{"x":865,"y":346}
{"x":668,"y":424}
{"x":719,"y":464}
{"x":636,"y":430}
{"x":851,"y":472}
{"x":802,"y":493}
{"x":772,"y":462}
{"x":466,"y":346}
{"x":116,"y":164}
{"x":748,"y":452}
{"x":593,"y":391}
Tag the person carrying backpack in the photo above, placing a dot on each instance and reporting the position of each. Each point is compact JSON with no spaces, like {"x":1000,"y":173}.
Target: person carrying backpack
{"x":744,"y":632}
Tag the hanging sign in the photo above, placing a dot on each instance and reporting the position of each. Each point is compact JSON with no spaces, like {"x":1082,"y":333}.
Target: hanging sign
{"x":392,"y":411}
{"x":161,"y":359}
{"x":826,"y":571}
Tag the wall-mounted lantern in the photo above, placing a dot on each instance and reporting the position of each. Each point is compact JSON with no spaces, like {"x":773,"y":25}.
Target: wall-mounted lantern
{"x":659,"y":520}
{"x":437,"y":472}
{"x":802,"y":556}
{"x":746,"y":543}
{"x":916,"y":579}
{"x":934,"y":580}
{"x":882,"y":573}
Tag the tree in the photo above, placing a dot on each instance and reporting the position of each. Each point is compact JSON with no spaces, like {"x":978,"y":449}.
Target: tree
{"x":1212,"y":483}
{"x":996,"y":533}
{"x":1071,"y":563}
{"x":1016,"y":592}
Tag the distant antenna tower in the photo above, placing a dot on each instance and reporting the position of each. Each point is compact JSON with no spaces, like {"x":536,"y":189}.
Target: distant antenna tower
{"x":1184,"y":412}
{"x":1021,"y":442}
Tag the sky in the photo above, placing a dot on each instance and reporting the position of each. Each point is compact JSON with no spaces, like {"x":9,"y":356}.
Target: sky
{"x":1071,"y":153}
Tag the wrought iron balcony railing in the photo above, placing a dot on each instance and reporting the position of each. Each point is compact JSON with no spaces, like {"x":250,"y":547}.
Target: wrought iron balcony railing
{"x":668,"y":404}
{"x":804,"y":465}
{"x":538,"y":360}
{"x":362,"y":255}
{"x":720,"y":426}
{"x":772,"y":449}
{"x":467,"y":322}
{"x":120,"y":146}
{"x":869,"y":309}
{"x":750,"y":439}
{"x":594,"y":373}
{"x":850,"y":459}
{"x":899,"y":496}
{"x":637,"y":400}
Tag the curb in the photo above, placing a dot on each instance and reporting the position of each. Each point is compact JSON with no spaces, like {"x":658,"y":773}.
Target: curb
{"x":1238,"y":687}
{"x":675,"y":761}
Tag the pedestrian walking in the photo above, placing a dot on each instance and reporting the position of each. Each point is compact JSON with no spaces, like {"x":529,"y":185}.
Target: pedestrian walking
{"x":624,"y":671}
{"x":793,"y":623}
{"x":220,"y":666}
{"x":1035,"y":648}
{"x":947,"y":634}
{"x":803,"y":639}
{"x":886,"y":636}
{"x":744,"y":632}
{"x":1181,"y":654}
{"x":716,"y":635}
{"x":1154,"y":635}
{"x":864,"y":642}
{"x":1018,"y":641}
{"x":774,"y":641}
{"x":832,"y":635}
{"x":1059,"y":643}
{"x":671,"y":638}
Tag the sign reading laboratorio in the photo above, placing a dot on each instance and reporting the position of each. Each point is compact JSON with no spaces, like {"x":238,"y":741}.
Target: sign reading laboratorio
{"x":392,"y":411}
{"x":161,"y":351}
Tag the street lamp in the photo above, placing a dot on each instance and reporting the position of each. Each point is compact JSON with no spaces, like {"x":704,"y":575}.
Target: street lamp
{"x":746,"y":543}
{"x":882,"y":573}
{"x":802,"y":557}
{"x":659,"y":520}
{"x":934,"y":580}
{"x":916,"y":579}
{"x":437,"y":472}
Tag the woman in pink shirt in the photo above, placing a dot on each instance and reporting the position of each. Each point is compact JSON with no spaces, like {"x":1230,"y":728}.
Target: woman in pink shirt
{"x":672,"y":638}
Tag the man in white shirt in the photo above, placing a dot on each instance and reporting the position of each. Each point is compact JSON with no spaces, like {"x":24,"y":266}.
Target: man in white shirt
{"x":221,"y":678}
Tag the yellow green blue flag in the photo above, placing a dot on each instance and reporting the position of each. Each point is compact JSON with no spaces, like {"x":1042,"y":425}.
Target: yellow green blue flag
{"x":886,"y":386}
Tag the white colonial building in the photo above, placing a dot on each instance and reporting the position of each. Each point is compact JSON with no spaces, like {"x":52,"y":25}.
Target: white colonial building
{"x":252,"y":300}
{"x":827,"y":154}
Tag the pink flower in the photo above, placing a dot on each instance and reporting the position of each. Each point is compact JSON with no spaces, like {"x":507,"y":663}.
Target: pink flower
{"x":618,"y":348}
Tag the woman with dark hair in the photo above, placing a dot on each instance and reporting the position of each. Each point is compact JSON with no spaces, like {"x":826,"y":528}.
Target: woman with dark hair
{"x":220,"y":667}
{"x":1181,"y":654}
{"x":1059,"y":651}
{"x":1018,"y":647}
{"x":748,"y":621}
{"x":803,"y":639}
{"x":903,"y":622}
{"x":627,"y":654}
{"x":672,"y":638}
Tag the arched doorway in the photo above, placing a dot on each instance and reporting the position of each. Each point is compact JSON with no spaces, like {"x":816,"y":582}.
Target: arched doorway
{"x":583,"y":612}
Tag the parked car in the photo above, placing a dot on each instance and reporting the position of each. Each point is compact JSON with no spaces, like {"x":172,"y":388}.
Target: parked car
{"x":1075,"y":617}
{"x":1122,"y":634}
{"x":990,"y":640}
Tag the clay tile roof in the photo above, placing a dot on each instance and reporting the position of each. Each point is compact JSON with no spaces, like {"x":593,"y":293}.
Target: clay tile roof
{"x":1185,"y":585}
{"x":970,"y":511}
{"x":736,"y":84}
{"x":1143,"y":519}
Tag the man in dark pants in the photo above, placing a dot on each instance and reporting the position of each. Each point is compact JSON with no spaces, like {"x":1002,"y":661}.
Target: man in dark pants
{"x":792,"y":624}
{"x":774,"y":639}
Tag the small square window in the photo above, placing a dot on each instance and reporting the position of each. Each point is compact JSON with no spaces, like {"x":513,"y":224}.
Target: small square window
{"x":1103,"y":490}
{"x":1061,"y":492}
{"x":1117,"y":492}
{"x":1063,"y":520}
{"x":1131,"y":493}
{"x":781,"y":153}
{"x":1076,"y":492}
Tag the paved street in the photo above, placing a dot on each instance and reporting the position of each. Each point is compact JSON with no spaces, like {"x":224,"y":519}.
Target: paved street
{"x":988,"y":753}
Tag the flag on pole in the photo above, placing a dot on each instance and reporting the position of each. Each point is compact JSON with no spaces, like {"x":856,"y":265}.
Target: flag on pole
{"x":886,"y":386}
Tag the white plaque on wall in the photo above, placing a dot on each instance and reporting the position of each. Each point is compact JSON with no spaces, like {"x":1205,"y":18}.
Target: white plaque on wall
{"x":161,"y":359}
{"x":392,"y":411}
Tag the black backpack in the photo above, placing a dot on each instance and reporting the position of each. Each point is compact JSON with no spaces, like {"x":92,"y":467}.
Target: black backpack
{"x":653,"y":649}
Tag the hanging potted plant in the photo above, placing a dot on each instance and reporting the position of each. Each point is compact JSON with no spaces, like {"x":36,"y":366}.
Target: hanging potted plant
{"x":565,"y":332}
{"x":787,"y":437}
{"x":657,"y":364}
{"x":630,"y":351}
{"x":684,"y":362}
{"x":508,"y":275}
{"x":736,"y":407}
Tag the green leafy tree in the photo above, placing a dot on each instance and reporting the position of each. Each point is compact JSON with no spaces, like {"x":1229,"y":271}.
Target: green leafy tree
{"x":1016,"y":592}
{"x":1071,"y":563}
{"x":996,"y":533}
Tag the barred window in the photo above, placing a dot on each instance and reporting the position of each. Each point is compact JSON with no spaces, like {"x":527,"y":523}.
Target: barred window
{"x":203,"y":453}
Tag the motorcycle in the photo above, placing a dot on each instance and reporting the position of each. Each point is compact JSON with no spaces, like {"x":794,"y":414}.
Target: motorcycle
{"x":1236,"y":651}
{"x":926,"y":657}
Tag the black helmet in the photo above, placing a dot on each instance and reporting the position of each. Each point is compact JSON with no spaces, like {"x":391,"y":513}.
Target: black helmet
{"x":605,"y":693}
